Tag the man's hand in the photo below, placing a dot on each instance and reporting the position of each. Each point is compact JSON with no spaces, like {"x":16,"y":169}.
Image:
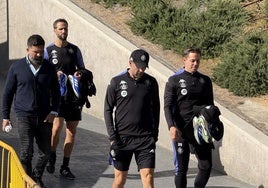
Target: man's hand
{"x":50,"y":118}
{"x":5,"y":123}
{"x":175,"y":134}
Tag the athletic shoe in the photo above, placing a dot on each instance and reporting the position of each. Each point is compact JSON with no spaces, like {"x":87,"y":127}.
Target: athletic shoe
{"x":39,"y":182}
{"x":51,"y":163}
{"x":75,"y":85}
{"x":205,"y":131}
{"x":37,"y":178}
{"x":197,"y":131}
{"x":66,"y":173}
{"x":62,"y":83}
{"x":201,"y":131}
{"x":51,"y":167}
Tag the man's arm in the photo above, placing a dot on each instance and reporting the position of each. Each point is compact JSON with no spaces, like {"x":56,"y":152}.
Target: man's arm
{"x":7,"y":98}
{"x":55,"y":91}
{"x":210,"y":92}
{"x":8,"y":93}
{"x":169,"y":105}
{"x":79,"y":57}
{"x":156,"y":109}
{"x":109,"y":105}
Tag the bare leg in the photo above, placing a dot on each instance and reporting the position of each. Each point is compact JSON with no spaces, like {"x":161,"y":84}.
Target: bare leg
{"x":120,"y":178}
{"x":147,"y":177}
{"x":70,"y":137}
{"x":56,"y":131}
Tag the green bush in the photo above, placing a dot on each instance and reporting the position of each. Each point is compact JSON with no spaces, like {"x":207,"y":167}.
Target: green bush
{"x":211,"y":25}
{"x":207,"y":24}
{"x":243,"y":68}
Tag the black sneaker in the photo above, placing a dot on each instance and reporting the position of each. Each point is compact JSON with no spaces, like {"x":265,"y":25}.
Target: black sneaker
{"x":51,"y":166}
{"x":39,"y":181}
{"x":65,"y":172}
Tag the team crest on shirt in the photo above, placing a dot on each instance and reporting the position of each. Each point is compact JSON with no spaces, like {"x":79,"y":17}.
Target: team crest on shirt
{"x":54,"y":57}
{"x":184,"y":91}
{"x":124,"y":93}
{"x":182,"y":83}
{"x":123,"y":87}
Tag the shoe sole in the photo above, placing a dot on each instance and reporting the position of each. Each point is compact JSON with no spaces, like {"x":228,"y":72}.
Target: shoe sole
{"x":66,"y":177}
{"x":71,"y":79}
{"x":196,"y":130}
{"x":63,"y":81}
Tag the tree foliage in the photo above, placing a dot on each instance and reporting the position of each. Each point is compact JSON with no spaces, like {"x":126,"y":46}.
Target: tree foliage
{"x":218,"y":28}
{"x":243,"y":68}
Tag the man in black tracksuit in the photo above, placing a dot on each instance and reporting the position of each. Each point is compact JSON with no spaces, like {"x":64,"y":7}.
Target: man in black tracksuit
{"x":133,"y":127}
{"x":184,"y":91}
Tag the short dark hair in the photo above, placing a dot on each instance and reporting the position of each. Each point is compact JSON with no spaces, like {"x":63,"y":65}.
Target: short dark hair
{"x":59,"y":20}
{"x":35,"y":40}
{"x":191,"y":50}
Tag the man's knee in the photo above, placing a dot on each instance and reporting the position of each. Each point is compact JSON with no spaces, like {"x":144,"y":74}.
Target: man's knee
{"x":147,"y":176}
{"x":119,"y":178}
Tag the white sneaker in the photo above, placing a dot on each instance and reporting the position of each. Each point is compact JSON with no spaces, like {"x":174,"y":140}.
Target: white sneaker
{"x":201,"y":131}
{"x":197,"y":131}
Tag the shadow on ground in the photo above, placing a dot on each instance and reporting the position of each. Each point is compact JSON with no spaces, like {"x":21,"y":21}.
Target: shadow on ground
{"x":88,"y":161}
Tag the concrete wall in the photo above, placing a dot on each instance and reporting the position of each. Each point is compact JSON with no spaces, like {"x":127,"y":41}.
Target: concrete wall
{"x":3,"y":37}
{"x":242,"y":153}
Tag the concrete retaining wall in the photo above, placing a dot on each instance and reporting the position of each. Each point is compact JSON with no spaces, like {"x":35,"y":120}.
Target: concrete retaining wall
{"x":242,"y":153}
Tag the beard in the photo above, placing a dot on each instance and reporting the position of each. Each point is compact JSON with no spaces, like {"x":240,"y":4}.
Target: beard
{"x":138,"y":76}
{"x":63,"y":37}
{"x":37,"y":61}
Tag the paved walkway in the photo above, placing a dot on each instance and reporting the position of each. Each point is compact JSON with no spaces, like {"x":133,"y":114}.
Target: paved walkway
{"x":90,"y":165}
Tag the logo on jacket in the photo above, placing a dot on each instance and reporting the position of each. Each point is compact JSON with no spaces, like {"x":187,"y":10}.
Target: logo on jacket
{"x":54,"y":57}
{"x":123,"y":87}
{"x":184,"y":91}
{"x":182,"y":83}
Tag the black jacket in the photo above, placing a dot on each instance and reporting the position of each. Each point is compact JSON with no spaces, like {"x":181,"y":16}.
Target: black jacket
{"x":136,"y":104}
{"x":183,"y":92}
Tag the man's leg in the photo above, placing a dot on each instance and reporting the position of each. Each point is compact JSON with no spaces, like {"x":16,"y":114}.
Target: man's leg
{"x":204,"y":157}
{"x":26,"y":136}
{"x":55,"y":138}
{"x":43,"y":140}
{"x":71,"y":127}
{"x":120,"y":178}
{"x":147,"y":177}
{"x":56,"y":131}
{"x":145,"y":159}
{"x":181,"y":154}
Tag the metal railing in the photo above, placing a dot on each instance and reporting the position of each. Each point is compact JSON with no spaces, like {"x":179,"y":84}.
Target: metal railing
{"x":12,"y":174}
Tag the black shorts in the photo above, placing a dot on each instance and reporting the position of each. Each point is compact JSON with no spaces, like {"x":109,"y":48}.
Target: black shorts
{"x":70,"y":112}
{"x":143,"y":149}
